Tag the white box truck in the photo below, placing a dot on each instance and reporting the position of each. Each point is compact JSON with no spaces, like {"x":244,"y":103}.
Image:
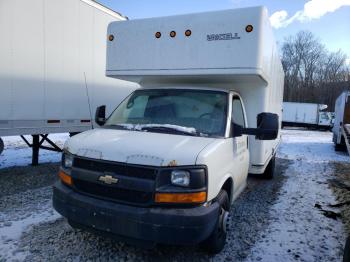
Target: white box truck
{"x":341,"y":129}
{"x":166,"y":165}
{"x":52,"y":66}
{"x":306,"y":115}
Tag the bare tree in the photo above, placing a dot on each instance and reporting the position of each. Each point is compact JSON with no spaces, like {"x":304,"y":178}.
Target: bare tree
{"x":313,"y":74}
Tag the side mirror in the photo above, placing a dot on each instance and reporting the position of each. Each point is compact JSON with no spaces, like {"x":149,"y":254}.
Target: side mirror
{"x":100,"y":116}
{"x":268,"y":125}
{"x":267,"y":129}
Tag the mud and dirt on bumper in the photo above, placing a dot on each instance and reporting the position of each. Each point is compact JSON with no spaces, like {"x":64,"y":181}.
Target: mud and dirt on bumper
{"x":135,"y":225}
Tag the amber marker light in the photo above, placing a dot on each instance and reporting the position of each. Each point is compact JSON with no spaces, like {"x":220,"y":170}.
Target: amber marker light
{"x":66,"y":179}
{"x":173,"y":34}
{"x":111,"y":37}
{"x":188,"y":33}
{"x":158,"y":34}
{"x":249,"y":28}
{"x":181,"y":198}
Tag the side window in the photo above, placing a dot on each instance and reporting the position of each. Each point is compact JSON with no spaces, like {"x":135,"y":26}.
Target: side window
{"x":237,"y":112}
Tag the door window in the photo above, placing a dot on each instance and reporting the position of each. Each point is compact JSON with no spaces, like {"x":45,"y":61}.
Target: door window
{"x":237,"y":112}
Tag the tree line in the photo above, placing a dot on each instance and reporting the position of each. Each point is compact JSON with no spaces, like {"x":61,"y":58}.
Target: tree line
{"x":312,"y":73}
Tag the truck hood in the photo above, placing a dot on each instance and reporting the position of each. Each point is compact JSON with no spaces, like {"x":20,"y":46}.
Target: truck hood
{"x":136,"y":147}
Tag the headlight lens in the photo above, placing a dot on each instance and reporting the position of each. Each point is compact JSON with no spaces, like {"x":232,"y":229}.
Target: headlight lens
{"x":180,"y":178}
{"x":67,"y":160}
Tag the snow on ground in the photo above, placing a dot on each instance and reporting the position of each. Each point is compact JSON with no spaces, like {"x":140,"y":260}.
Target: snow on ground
{"x":35,"y":208}
{"x":10,"y":234}
{"x":312,"y":146}
{"x":298,"y":230}
{"x":17,"y":153}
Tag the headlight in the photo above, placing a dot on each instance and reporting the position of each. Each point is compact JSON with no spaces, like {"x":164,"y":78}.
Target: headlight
{"x":67,"y":160}
{"x":180,"y":178}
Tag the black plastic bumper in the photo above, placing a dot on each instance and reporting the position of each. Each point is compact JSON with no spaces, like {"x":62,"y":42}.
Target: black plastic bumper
{"x":184,"y":226}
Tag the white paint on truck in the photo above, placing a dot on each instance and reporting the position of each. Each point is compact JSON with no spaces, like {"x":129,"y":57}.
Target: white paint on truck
{"x":217,"y":75}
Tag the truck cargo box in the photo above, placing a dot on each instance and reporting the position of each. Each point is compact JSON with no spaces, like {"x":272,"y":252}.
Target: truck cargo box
{"x":233,"y":49}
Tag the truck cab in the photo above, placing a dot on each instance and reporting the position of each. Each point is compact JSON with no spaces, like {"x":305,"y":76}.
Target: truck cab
{"x":169,"y":161}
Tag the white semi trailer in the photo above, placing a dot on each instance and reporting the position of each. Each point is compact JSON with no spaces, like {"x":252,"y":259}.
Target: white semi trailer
{"x":166,"y":165}
{"x":341,"y":129}
{"x":52,"y":67}
{"x":306,"y":115}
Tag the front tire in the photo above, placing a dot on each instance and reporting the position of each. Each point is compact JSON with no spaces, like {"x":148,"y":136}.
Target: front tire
{"x":217,"y":240}
{"x":270,"y":169}
{"x":346,"y":257}
{"x":1,"y":145}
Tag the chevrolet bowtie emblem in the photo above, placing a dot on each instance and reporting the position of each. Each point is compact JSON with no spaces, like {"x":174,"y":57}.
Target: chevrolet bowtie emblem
{"x":109,"y":180}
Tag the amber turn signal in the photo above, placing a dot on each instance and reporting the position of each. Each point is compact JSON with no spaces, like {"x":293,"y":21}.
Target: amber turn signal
{"x":249,"y":28}
{"x":182,"y":198}
{"x":66,"y":179}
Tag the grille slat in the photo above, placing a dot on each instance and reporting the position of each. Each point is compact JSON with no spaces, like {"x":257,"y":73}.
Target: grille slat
{"x":111,"y":193}
{"x":118,"y":168}
{"x":90,"y":187}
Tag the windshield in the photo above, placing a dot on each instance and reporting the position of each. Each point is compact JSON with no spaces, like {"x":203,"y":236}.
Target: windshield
{"x":188,"y":112}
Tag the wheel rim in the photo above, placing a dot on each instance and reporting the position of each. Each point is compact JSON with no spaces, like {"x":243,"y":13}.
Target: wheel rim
{"x":223,"y":221}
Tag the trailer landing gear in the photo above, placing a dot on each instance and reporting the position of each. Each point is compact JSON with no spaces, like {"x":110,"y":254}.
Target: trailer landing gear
{"x":37,"y":143}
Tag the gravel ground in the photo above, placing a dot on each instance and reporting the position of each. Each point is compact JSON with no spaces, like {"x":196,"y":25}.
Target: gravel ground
{"x":299,"y":229}
{"x":273,"y":220}
{"x":55,"y":240}
{"x":341,"y":187}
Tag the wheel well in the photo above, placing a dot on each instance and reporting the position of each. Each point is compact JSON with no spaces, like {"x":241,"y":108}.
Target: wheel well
{"x":228,"y":187}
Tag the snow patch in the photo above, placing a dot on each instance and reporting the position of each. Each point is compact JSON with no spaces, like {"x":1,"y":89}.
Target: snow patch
{"x":139,"y":127}
{"x":298,"y":230}
{"x":11,"y":232}
{"x":311,"y":146}
{"x":17,"y":153}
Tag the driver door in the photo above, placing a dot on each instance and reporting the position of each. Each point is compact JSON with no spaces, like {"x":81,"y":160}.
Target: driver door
{"x":240,"y":143}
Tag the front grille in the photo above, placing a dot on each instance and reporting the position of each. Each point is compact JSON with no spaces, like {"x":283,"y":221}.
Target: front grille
{"x":122,"y":169}
{"x":138,"y":178}
{"x":112,"y":193}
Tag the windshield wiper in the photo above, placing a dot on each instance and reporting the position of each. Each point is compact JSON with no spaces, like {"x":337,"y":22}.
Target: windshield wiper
{"x":118,"y":126}
{"x":171,"y":130}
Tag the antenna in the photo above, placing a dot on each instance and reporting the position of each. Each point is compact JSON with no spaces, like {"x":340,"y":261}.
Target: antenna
{"x":88,"y":98}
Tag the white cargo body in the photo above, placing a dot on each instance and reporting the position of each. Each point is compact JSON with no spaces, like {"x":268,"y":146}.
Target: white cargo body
{"x":302,"y":113}
{"x":219,"y":54}
{"x":306,"y":114}
{"x":341,"y":128}
{"x":53,"y":54}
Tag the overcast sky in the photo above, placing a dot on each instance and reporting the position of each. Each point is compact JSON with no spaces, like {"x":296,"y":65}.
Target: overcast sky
{"x":329,"y":20}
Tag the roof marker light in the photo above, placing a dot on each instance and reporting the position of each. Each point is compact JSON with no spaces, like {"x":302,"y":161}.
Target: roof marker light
{"x":158,"y":34}
{"x":172,"y":34}
{"x":249,"y":28}
{"x":188,"y":33}
{"x":111,"y":37}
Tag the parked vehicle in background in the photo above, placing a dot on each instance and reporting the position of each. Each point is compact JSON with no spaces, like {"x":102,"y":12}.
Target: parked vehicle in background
{"x":326,"y":120}
{"x":166,"y":165}
{"x":52,"y":67}
{"x":306,"y":115}
{"x":341,"y":129}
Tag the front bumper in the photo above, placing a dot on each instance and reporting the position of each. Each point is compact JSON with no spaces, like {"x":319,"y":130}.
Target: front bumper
{"x":133,"y":224}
